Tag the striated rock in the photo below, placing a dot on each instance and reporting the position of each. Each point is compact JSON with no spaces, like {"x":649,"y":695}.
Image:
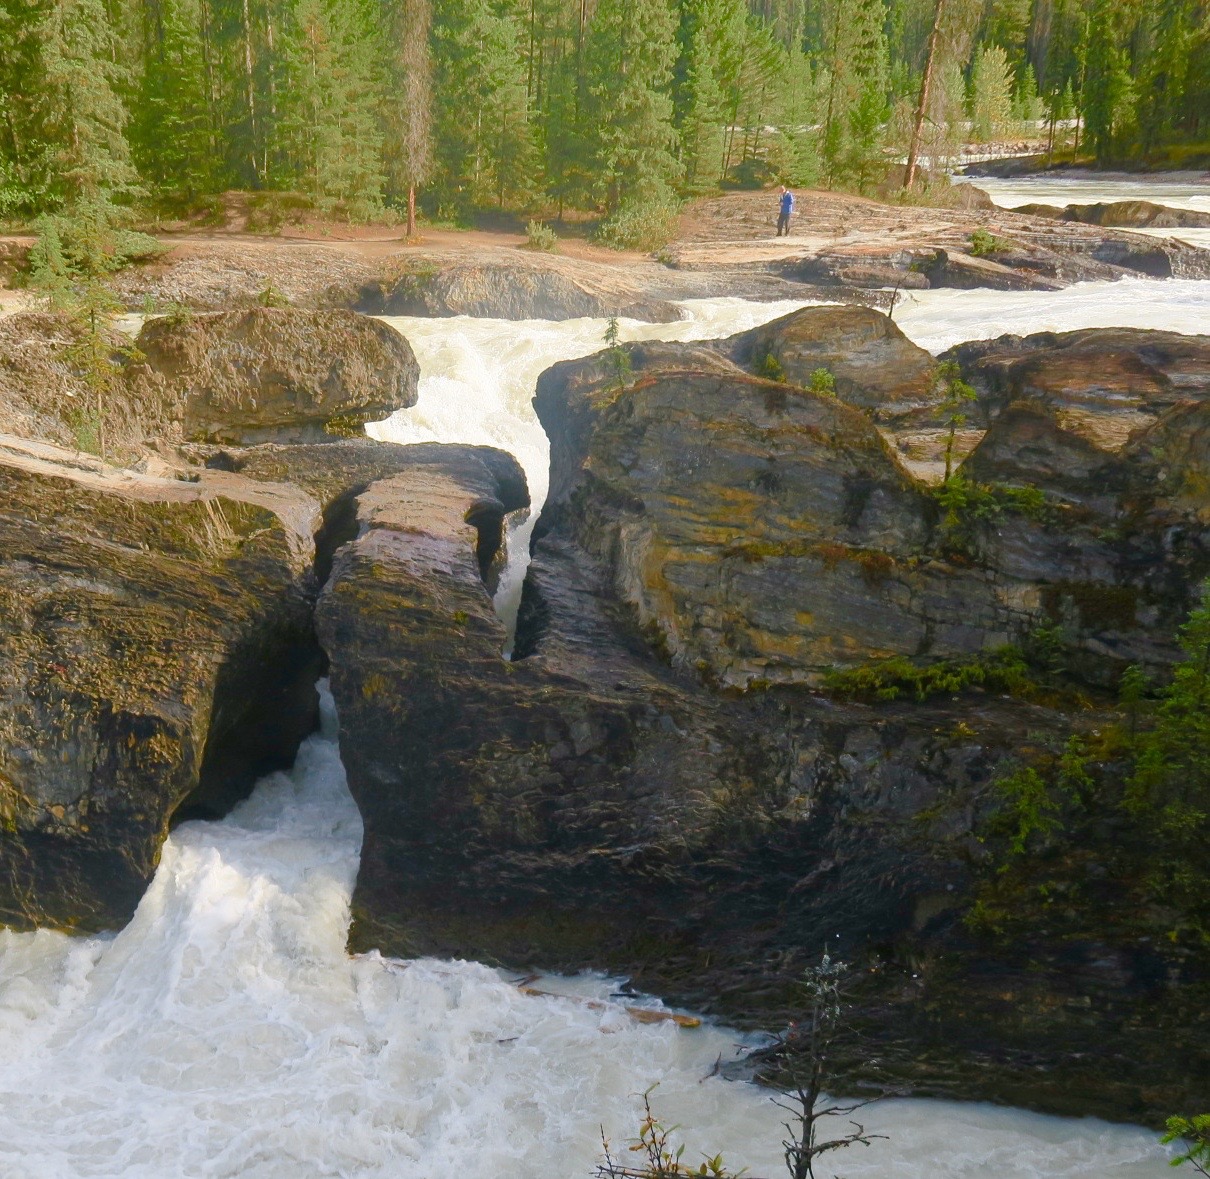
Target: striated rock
{"x":155,"y":654}
{"x":875,"y":366}
{"x":1031,"y":445}
{"x":764,"y":534}
{"x":266,"y":374}
{"x":1105,"y":383}
{"x":43,"y":396}
{"x":1015,"y":271}
{"x":756,"y":527}
{"x":513,"y":285}
{"x":1123,"y":214}
{"x":587,"y":806}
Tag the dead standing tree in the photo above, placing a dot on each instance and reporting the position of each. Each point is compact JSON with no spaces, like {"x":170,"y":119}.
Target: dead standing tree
{"x":808,"y":1047}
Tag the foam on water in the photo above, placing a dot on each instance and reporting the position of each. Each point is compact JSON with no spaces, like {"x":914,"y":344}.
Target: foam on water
{"x":938,"y":319}
{"x":225,"y":1032}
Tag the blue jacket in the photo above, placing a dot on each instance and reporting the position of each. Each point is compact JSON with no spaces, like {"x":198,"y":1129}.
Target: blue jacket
{"x":787,"y":202}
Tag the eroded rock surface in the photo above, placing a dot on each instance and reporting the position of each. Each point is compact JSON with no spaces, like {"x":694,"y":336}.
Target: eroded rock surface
{"x":596,"y":803}
{"x":155,"y":650}
{"x":270,"y":374}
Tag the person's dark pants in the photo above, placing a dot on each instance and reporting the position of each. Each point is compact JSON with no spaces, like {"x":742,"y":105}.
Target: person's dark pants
{"x":783,"y":224}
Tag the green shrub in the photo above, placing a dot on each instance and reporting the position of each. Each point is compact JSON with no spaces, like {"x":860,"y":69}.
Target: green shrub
{"x":770,"y":368}
{"x":1002,"y":670}
{"x":984,"y":244}
{"x":639,"y":224}
{"x":540,"y":236}
{"x":1195,"y":1134}
{"x":968,"y":507}
{"x":822,"y":381}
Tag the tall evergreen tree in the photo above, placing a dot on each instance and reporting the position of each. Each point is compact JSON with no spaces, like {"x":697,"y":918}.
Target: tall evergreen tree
{"x":330,"y":129}
{"x":855,"y":106}
{"x":991,"y":106}
{"x":85,"y":119}
{"x":631,"y":54}
{"x":172,"y":133}
{"x":1170,"y":33}
{"x":486,"y":150}
{"x":409,"y":104}
{"x":1107,"y":97}
{"x":26,"y":164}
{"x":698,"y":104}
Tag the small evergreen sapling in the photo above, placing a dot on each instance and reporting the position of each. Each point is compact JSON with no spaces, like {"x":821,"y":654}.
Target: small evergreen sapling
{"x":1194,"y":1134}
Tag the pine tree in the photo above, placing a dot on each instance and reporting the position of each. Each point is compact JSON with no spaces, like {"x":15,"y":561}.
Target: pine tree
{"x":632,"y":52}
{"x":1170,"y":30}
{"x":699,"y":97}
{"x":172,"y":133}
{"x":26,"y":164}
{"x":1108,"y":93}
{"x":856,"y":102}
{"x":330,"y":129}
{"x":85,"y":119}
{"x":1027,"y":106}
{"x":795,"y":149}
{"x":409,"y":104}
{"x":486,"y":152}
{"x":991,"y":95}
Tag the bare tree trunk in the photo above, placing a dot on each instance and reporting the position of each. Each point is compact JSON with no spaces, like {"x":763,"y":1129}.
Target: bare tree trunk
{"x":411,"y":210}
{"x":909,"y":177}
{"x":250,"y":76}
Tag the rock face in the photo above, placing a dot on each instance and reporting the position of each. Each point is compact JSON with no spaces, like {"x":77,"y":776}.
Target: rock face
{"x":155,"y":652}
{"x":752,"y":525}
{"x":42,"y":395}
{"x":513,"y":285}
{"x":1106,"y":383}
{"x":598,"y":802}
{"x":269,"y":374}
{"x":764,"y":534}
{"x":876,"y":368}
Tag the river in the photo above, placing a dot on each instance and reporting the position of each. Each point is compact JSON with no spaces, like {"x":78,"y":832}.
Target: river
{"x":225,"y":1032}
{"x":1187,"y":191}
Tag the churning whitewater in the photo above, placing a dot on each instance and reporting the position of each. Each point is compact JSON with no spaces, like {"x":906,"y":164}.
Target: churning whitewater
{"x":226,"y":1032}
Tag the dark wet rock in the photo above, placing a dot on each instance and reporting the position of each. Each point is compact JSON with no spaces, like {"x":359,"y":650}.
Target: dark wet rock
{"x":270,"y":374}
{"x":587,"y":805}
{"x":156,"y":656}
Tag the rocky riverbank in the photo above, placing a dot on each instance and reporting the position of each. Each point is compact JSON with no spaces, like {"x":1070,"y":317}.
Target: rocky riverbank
{"x":668,"y":779}
{"x":842,"y":248}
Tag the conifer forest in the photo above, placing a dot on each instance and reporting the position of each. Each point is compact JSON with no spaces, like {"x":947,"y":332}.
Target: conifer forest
{"x":617,"y":107}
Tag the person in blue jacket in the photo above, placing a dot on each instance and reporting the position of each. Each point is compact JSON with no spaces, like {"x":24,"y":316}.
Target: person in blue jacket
{"x":785,"y":209}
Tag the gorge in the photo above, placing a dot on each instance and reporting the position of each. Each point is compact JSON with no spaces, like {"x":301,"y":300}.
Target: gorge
{"x":229,"y":1003}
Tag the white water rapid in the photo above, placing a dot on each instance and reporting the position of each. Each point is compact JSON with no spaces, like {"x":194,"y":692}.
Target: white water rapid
{"x":226,"y":1033}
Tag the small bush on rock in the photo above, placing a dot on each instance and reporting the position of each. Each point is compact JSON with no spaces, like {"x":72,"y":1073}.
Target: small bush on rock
{"x":823,"y":382}
{"x":540,"y":236}
{"x":657,"y":1157}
